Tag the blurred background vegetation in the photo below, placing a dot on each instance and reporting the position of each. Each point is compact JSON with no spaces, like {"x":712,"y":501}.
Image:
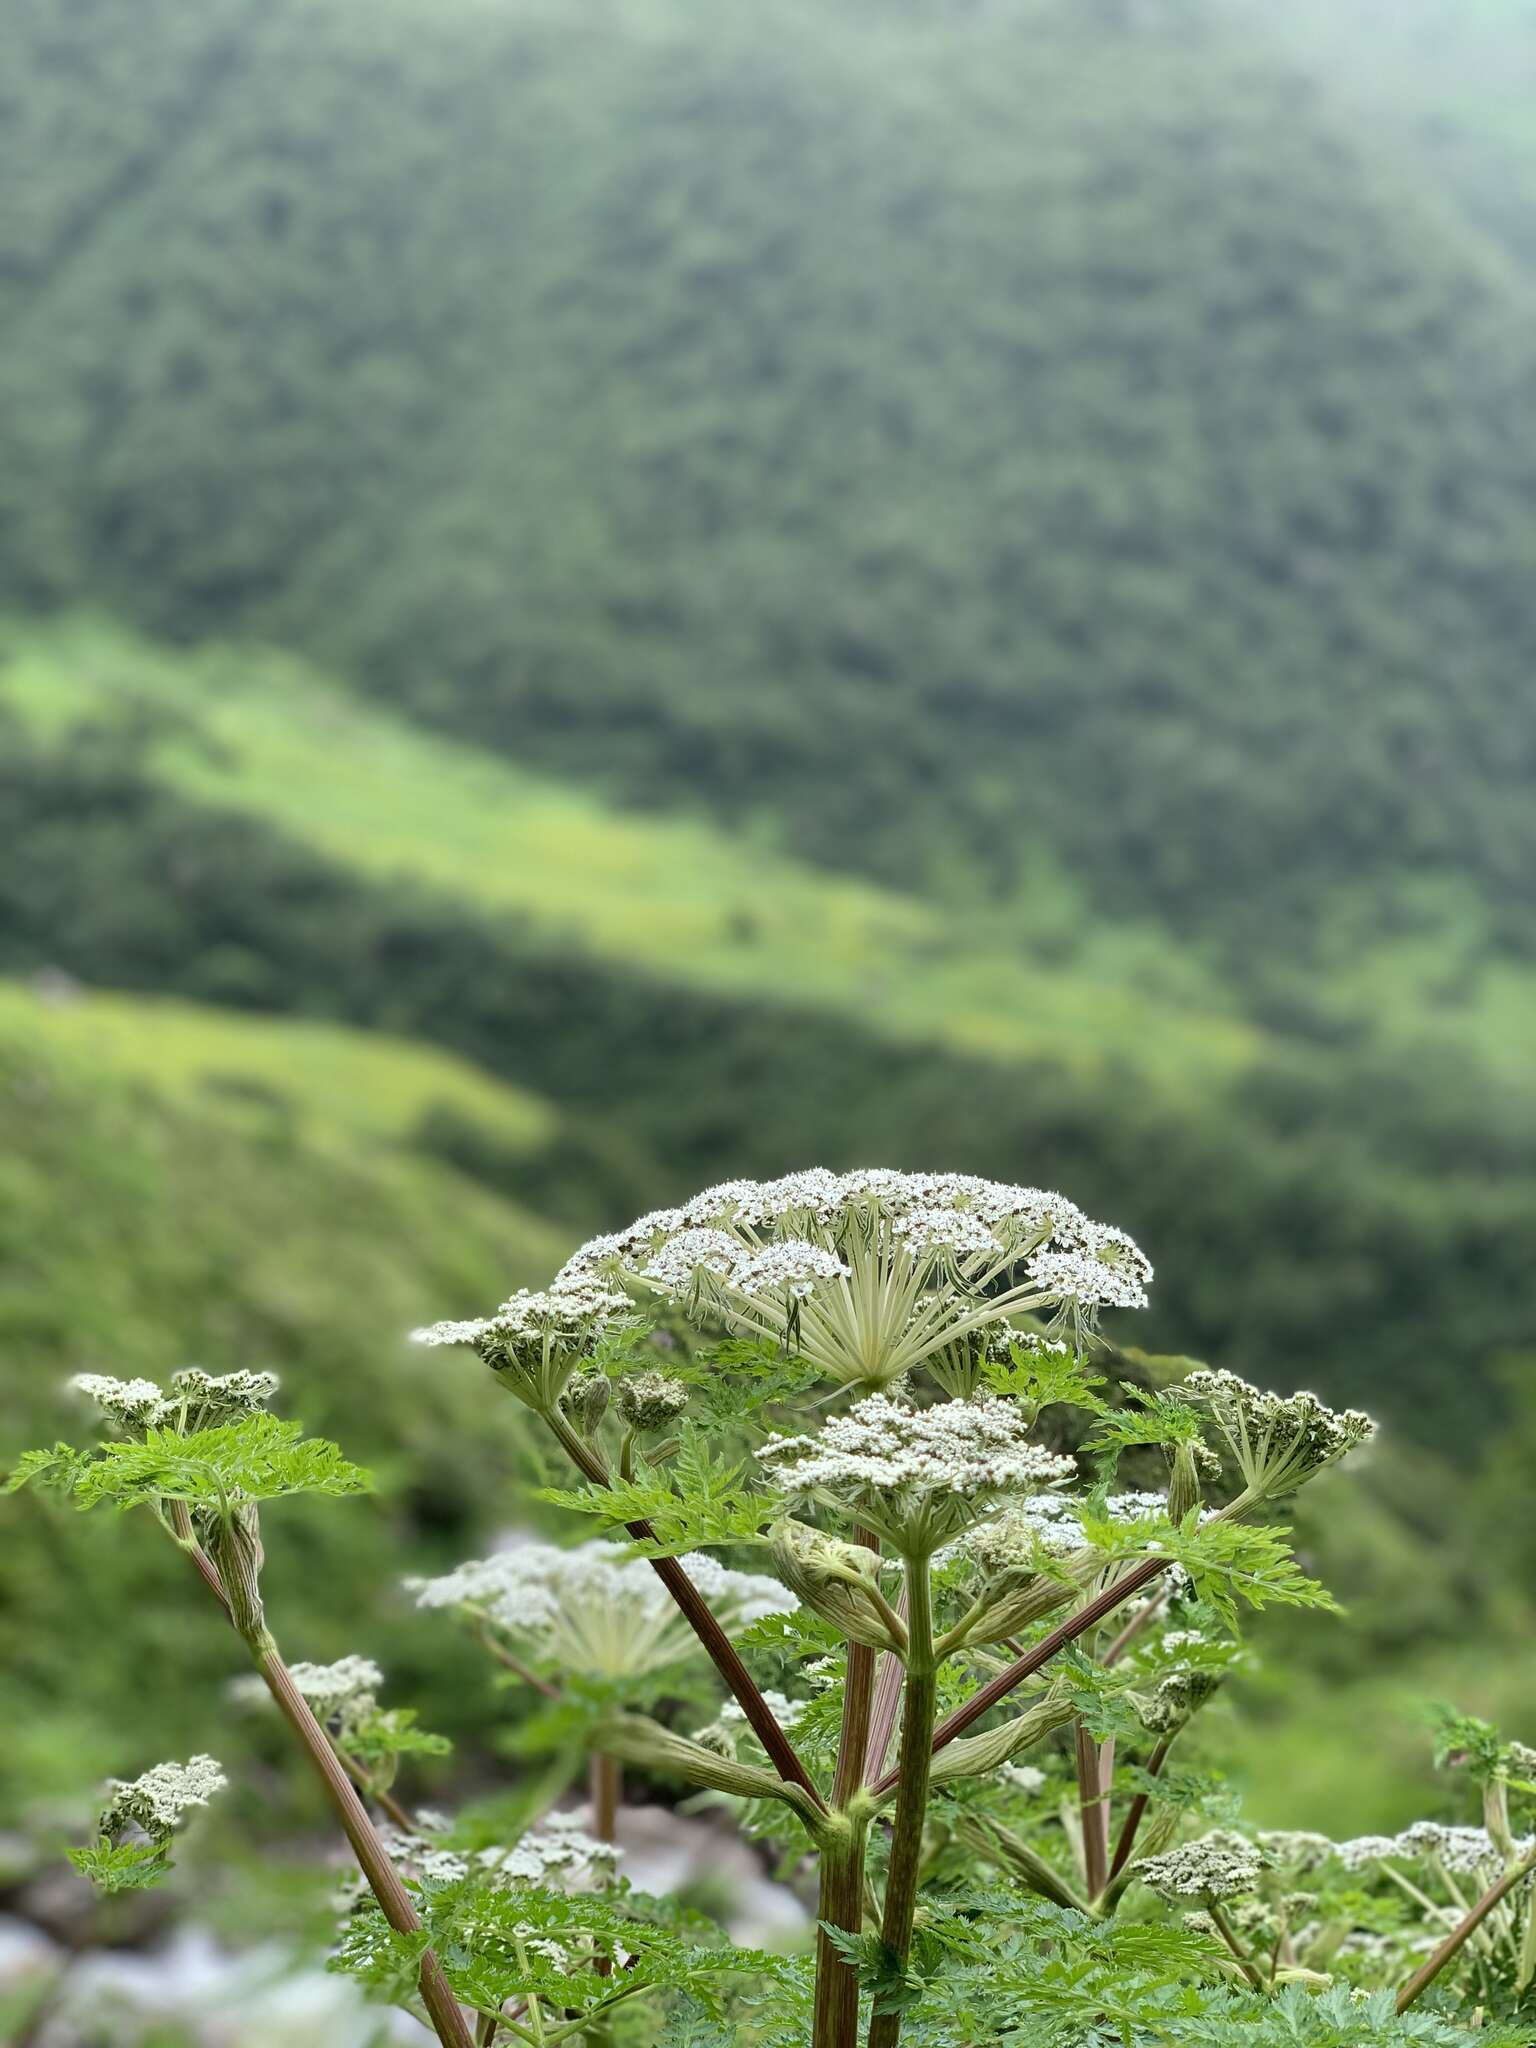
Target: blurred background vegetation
{"x":597,"y":597}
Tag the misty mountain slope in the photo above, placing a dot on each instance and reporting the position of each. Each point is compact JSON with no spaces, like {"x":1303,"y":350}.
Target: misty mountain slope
{"x":922,"y":436}
{"x":1356,"y":1193}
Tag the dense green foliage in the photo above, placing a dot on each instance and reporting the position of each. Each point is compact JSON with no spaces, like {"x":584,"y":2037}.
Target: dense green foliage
{"x":926,"y":435}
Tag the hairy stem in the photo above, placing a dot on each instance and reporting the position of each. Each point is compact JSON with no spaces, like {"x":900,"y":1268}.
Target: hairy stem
{"x":1465,"y":1928}
{"x":919,"y":1704}
{"x":372,"y":1858}
{"x":840,"y":1901}
{"x":696,"y":1612}
{"x":998,"y":1688}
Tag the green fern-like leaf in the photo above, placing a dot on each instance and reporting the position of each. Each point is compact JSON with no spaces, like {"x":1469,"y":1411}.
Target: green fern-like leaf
{"x":699,"y":1500}
{"x":257,"y":1458}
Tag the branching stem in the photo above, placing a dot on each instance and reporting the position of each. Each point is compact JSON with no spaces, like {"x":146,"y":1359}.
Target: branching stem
{"x":998,"y":1688}
{"x":1465,"y":1928}
{"x":696,"y":1612}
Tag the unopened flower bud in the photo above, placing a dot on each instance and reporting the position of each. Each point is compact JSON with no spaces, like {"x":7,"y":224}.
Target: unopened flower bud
{"x":234,"y":1544}
{"x":649,"y":1400}
{"x":1179,"y":1696}
{"x":1193,"y":1462}
{"x":585,"y":1400}
{"x":836,"y":1580}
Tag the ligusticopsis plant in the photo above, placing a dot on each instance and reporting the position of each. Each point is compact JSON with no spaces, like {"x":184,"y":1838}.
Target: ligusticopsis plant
{"x":854,"y":1580}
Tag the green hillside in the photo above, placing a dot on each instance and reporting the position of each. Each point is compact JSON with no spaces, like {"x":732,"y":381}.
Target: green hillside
{"x":1318,"y":1178}
{"x":941,"y":441}
{"x":147,"y":1226}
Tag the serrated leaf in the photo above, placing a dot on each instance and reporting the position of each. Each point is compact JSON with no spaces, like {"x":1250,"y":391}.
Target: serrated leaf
{"x":122,"y":1866}
{"x":699,"y":1500}
{"x":56,"y":1470}
{"x":257,"y":1458}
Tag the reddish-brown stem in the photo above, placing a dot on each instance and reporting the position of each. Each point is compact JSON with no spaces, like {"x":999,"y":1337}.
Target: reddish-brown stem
{"x":604,"y":1789}
{"x":696,"y":1612}
{"x":1136,"y":1809}
{"x":1431,"y":1967}
{"x":1133,"y":1629}
{"x":840,"y":1902}
{"x":1093,"y":1813}
{"x":386,"y":1802}
{"x":882,"y":1725}
{"x":372,"y":1858}
{"x":998,"y":1688}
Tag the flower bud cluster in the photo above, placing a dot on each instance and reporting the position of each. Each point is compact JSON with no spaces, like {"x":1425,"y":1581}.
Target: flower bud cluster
{"x":1279,"y":1441}
{"x":1221,"y":1865}
{"x":916,"y":1475}
{"x":595,"y":1610}
{"x":650,"y":1400}
{"x":1178,"y":1696}
{"x":156,"y":1802}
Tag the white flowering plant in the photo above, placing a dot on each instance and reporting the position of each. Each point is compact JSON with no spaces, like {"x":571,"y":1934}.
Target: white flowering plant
{"x":843,"y":1568}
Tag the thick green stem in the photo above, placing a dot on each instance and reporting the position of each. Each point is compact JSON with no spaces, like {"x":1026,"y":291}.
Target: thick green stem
{"x":1245,"y":1962}
{"x":983,"y":1701}
{"x":1429,"y":1970}
{"x":840,"y":1901}
{"x":919,"y":1705}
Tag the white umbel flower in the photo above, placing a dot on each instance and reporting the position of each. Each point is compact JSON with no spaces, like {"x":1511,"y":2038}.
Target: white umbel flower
{"x":595,"y":1611}
{"x":534,"y":1342}
{"x":1221,"y":1865}
{"x":872,"y":1273}
{"x":132,"y":1404}
{"x":157,"y":1801}
{"x":916,"y":1475}
{"x":345,"y":1690}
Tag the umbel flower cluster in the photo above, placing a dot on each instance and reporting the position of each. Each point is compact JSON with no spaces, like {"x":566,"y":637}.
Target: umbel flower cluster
{"x":193,"y":1400}
{"x":869,"y":1273}
{"x":156,"y":1802}
{"x":595,"y":1610}
{"x":916,"y":1476}
{"x":536,"y":1341}
{"x":1279,"y":1441}
{"x":1220,"y":1865}
{"x":558,"y":1853}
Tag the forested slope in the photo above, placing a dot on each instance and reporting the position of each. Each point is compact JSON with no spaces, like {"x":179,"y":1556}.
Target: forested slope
{"x":922,"y":434}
